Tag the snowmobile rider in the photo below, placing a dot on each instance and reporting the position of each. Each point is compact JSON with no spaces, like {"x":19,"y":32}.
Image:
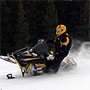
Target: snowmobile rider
{"x":62,"y":43}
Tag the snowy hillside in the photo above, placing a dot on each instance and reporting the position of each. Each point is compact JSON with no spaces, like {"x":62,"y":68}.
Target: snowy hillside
{"x":77,"y":79}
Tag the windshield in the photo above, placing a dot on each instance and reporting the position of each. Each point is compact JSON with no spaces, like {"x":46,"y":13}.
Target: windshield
{"x":41,"y":48}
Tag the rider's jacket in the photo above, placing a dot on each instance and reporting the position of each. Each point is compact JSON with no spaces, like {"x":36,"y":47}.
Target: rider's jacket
{"x":62,"y":43}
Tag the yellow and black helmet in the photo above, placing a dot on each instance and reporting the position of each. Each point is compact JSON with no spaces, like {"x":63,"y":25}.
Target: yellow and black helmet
{"x":60,"y":29}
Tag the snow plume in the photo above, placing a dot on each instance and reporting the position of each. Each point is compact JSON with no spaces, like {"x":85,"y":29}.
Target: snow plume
{"x":80,"y":51}
{"x":85,"y":50}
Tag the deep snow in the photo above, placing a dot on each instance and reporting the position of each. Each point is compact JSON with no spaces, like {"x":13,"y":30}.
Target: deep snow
{"x":77,"y":79}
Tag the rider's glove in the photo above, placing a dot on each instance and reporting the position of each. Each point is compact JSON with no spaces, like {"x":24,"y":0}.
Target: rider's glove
{"x":34,"y":54}
{"x":50,"y":57}
{"x":30,"y":50}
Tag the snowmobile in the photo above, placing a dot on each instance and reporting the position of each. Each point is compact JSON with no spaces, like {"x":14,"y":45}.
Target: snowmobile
{"x":33,"y":60}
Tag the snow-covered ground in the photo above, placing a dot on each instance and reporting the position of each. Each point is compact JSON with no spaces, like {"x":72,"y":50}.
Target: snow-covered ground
{"x":77,"y":79}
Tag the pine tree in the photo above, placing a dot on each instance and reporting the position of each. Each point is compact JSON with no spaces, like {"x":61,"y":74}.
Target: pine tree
{"x":21,"y":36}
{"x":35,"y":11}
{"x":51,"y":19}
{"x":83,"y":26}
{"x":6,"y":36}
{"x":30,"y":14}
{"x":40,"y":26}
{"x":89,"y":22}
{"x":0,"y":30}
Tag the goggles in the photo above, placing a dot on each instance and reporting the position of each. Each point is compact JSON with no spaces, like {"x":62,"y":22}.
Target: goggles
{"x":57,"y":31}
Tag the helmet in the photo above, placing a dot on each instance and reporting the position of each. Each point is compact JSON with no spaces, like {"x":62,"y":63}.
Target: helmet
{"x":60,"y":29}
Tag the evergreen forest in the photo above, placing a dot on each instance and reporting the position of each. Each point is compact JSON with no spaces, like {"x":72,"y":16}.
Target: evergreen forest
{"x":24,"y":22}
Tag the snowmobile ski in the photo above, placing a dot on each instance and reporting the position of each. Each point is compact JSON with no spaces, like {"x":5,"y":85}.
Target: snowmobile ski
{"x":8,"y":59}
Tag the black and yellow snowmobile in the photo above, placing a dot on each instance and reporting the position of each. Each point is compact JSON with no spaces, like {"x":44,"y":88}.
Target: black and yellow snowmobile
{"x":34,"y":60}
